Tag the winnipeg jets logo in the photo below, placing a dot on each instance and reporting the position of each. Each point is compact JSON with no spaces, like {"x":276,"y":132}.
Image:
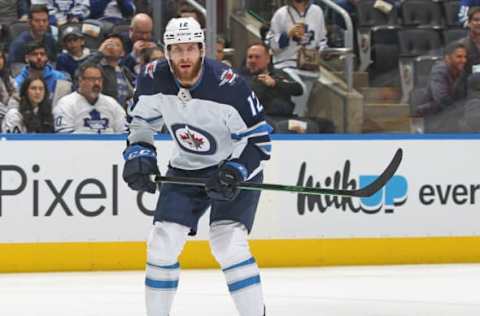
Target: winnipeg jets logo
{"x":194,"y":140}
{"x":227,"y":77}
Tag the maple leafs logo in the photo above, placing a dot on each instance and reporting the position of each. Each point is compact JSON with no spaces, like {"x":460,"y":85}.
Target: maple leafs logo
{"x":192,"y":139}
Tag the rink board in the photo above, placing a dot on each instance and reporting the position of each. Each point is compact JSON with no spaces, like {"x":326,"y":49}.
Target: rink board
{"x":64,"y":206}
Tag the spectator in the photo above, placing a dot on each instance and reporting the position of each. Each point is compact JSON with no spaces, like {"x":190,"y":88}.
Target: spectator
{"x":38,"y":64}
{"x":34,"y":114}
{"x":297,"y":24}
{"x":274,"y":88}
{"x":446,"y":91}
{"x":117,"y":79}
{"x":7,"y":85}
{"x":464,"y":11}
{"x":187,"y":11}
{"x":38,"y":21}
{"x":472,"y":41}
{"x":298,"y":29}
{"x":112,"y":10}
{"x":68,"y":11}
{"x":149,"y":55}
{"x":139,"y":38}
{"x":219,"y":53}
{"x":87,"y":110}
{"x":74,"y":52}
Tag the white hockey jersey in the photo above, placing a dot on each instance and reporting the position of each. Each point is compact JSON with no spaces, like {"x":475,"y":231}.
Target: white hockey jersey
{"x":74,"y":114}
{"x":284,"y":48}
{"x":219,"y":118}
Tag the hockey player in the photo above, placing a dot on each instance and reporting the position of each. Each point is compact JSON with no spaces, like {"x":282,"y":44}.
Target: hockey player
{"x":220,"y":134}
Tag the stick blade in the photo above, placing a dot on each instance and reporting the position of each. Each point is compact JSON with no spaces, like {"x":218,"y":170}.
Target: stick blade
{"x":386,"y":175}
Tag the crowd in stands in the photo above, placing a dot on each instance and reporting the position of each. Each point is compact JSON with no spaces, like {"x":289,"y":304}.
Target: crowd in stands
{"x":42,"y":68}
{"x":63,"y":74}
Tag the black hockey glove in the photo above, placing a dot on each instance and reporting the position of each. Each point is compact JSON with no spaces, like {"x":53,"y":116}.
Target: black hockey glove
{"x":140,"y":163}
{"x":223,"y":185}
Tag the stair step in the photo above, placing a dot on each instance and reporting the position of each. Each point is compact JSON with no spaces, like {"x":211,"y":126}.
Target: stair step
{"x":386,"y":118}
{"x":390,"y":95}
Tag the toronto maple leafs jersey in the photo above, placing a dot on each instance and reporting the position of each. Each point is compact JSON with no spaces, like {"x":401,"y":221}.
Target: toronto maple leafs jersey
{"x":286,"y":49}
{"x":74,"y":114}
{"x":218,"y":119}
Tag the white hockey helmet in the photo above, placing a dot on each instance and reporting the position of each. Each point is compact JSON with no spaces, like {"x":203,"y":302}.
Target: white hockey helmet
{"x":183,"y":30}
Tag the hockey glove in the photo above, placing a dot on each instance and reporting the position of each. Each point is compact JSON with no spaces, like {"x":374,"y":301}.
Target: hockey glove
{"x":223,"y":185}
{"x":140,"y":163}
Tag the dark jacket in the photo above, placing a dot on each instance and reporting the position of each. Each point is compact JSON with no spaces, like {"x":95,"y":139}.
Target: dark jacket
{"x":16,"y":53}
{"x":275,"y":100}
{"x":69,"y":64}
{"x":443,"y":90}
{"x":443,"y":105}
{"x":110,"y":77}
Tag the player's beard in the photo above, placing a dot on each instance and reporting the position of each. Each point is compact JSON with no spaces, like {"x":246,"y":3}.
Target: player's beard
{"x":187,"y":78}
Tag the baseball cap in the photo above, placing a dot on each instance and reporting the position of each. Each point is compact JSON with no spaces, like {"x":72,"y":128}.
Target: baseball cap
{"x":71,"y":31}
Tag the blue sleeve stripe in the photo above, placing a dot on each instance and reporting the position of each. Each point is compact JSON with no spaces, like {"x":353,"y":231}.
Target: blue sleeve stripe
{"x":260,"y":129}
{"x":170,"y":267}
{"x":266,"y":148}
{"x":244,"y":283}
{"x":241,"y":264}
{"x":156,"y":284}
{"x":148,"y":120}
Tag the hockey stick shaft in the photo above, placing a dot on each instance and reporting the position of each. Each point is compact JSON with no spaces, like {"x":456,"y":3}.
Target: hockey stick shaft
{"x":366,"y":191}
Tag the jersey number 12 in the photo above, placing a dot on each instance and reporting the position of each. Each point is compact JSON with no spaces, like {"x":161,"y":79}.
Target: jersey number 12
{"x":255,"y":105}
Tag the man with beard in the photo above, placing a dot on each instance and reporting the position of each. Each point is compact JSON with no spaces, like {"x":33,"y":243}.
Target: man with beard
{"x":87,"y":110}
{"x":444,"y":101}
{"x":220,"y":135}
{"x":37,"y":64}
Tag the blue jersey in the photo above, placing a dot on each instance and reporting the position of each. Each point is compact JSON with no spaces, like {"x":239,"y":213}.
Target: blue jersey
{"x":218,"y":119}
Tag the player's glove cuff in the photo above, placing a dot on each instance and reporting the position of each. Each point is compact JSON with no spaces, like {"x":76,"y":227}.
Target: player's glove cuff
{"x":139,"y":150}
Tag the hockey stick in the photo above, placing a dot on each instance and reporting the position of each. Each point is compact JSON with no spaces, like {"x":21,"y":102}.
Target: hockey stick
{"x":366,"y":191}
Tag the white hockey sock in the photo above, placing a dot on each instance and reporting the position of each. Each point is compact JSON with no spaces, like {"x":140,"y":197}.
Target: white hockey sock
{"x":243,"y":280}
{"x":161,"y":284}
